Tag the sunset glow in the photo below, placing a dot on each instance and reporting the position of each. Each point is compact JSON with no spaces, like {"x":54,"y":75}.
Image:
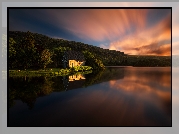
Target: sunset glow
{"x":133,"y":31}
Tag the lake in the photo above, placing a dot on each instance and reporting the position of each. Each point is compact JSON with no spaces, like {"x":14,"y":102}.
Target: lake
{"x":117,"y":96}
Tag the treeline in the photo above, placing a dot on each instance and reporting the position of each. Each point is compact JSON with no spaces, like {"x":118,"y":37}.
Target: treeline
{"x":32,"y":50}
{"x":148,"y":61}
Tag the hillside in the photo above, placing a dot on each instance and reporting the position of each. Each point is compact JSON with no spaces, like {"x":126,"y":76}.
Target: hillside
{"x":41,"y":42}
{"x":27,"y":49}
{"x":149,"y":61}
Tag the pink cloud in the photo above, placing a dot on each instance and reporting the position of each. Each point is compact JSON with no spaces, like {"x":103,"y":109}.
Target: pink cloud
{"x":153,"y":40}
{"x":125,"y":29}
{"x":100,"y":24}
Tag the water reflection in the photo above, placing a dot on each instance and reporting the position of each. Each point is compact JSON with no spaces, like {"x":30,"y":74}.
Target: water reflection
{"x":149,"y":90}
{"x":73,"y":81}
{"x":76,"y":77}
{"x":27,"y":89}
{"x":114,"y":97}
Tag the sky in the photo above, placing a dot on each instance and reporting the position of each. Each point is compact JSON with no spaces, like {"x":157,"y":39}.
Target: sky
{"x":132,"y":31}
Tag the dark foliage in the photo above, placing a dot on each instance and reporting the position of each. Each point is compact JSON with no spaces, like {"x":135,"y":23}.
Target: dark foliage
{"x":37,"y":43}
{"x":26,"y":50}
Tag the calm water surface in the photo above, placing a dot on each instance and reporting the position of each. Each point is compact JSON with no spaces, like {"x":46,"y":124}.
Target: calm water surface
{"x":128,"y":96}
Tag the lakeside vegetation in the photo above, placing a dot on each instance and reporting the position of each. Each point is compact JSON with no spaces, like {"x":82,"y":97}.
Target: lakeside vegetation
{"x":36,"y":51}
{"x":32,"y":50}
{"x":51,"y":71}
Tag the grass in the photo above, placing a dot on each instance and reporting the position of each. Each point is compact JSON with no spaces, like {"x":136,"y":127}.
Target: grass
{"x":52,"y":71}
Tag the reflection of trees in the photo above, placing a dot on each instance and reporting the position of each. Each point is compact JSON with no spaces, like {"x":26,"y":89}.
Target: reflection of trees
{"x":12,"y":94}
{"x":104,"y":75}
{"x":47,"y":86}
{"x":58,"y":83}
{"x":93,"y":77}
{"x":27,"y":90}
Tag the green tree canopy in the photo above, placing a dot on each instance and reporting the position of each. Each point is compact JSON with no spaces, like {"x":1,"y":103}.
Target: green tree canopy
{"x":46,"y":58}
{"x":58,"y":53}
{"x":92,"y":61}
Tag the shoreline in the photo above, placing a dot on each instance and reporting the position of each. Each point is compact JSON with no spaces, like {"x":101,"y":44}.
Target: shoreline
{"x":118,"y":66}
{"x":137,"y":66}
{"x":51,"y":72}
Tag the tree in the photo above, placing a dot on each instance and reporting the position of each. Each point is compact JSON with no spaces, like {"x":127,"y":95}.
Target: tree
{"x":27,"y":54}
{"x":92,"y":61}
{"x":46,"y":58}
{"x":58,"y":46}
{"x":58,"y":53}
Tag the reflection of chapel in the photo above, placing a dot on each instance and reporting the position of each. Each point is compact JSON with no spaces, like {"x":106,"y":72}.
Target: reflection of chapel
{"x":76,"y":77}
{"x":73,"y":81}
{"x":72,"y":59}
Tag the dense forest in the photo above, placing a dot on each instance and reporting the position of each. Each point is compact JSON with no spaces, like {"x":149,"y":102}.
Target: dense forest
{"x":32,"y":50}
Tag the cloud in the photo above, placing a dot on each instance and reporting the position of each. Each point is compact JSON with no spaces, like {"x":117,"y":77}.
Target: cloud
{"x":153,"y":40}
{"x":126,"y":29}
{"x":99,"y":24}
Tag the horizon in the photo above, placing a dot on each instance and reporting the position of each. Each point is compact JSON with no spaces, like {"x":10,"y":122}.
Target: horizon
{"x":132,"y":31}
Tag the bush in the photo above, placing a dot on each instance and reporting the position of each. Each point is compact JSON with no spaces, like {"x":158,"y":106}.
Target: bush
{"x":92,"y":61}
{"x":80,"y":68}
